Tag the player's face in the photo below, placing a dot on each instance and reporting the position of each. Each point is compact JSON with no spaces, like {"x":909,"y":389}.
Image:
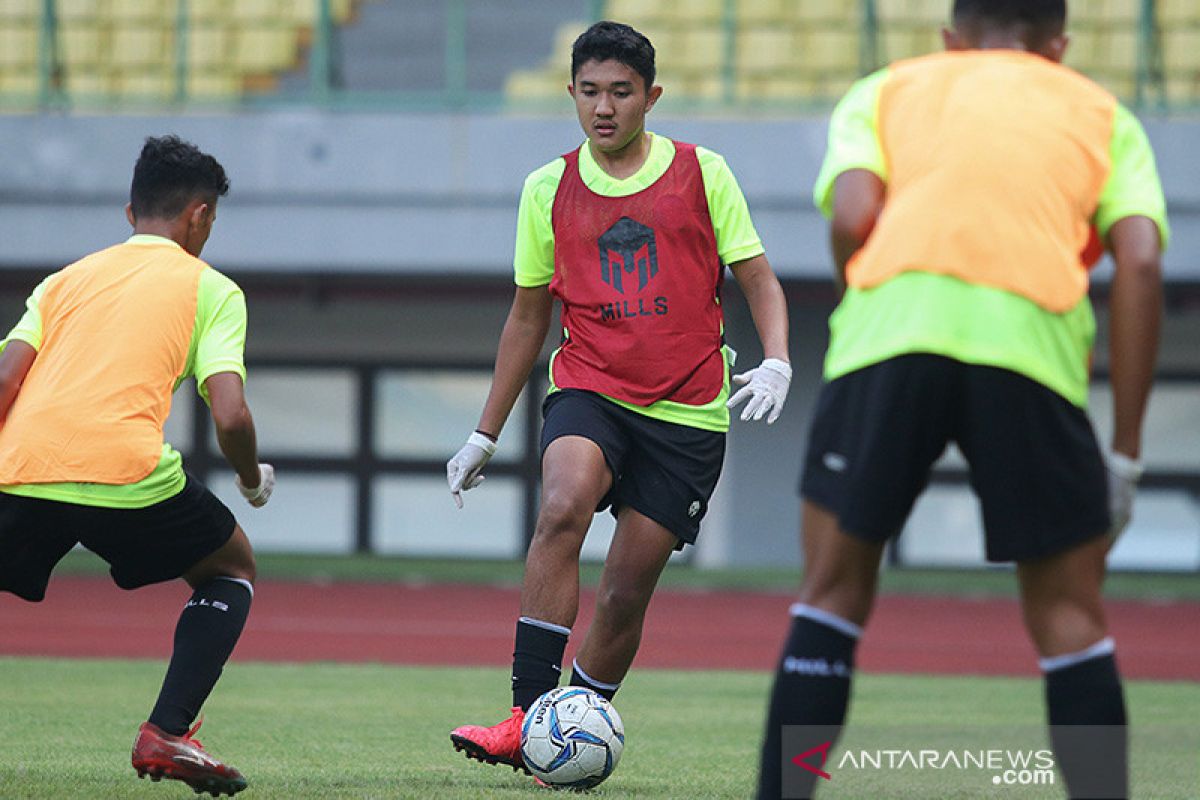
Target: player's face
{"x":612,"y":101}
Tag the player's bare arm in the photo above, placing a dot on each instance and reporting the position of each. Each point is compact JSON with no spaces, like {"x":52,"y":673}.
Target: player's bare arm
{"x":1135,"y":309}
{"x":858,"y":196}
{"x":15,"y":362}
{"x":520,"y":342}
{"x":236,"y":436}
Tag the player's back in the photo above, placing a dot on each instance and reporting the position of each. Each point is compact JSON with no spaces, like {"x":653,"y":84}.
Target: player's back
{"x":116,"y":328}
{"x":996,"y":160}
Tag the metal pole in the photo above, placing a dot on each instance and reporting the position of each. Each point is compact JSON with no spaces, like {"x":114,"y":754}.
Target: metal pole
{"x":868,"y":43}
{"x":456,"y":52}
{"x":729,"y":61}
{"x":182,"y":28}
{"x":319,"y":60}
{"x":48,"y":65}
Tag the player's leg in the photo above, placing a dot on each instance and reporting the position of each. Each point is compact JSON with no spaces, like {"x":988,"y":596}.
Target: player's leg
{"x":194,"y":536}
{"x":639,"y":551}
{"x":579,"y":444}
{"x":874,"y":437}
{"x":661,"y":497}
{"x":1037,"y":468}
{"x":35,"y":534}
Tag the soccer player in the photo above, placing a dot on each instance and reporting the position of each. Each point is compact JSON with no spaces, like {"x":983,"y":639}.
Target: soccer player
{"x":86,"y":379}
{"x":962,"y":187}
{"x":630,"y":232}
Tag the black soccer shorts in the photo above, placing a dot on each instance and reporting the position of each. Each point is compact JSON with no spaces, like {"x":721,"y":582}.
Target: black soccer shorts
{"x":663,"y":470}
{"x":1034,"y":461}
{"x":141,"y":545}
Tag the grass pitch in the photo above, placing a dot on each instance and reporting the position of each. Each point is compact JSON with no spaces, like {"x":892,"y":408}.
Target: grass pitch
{"x":372,"y":731}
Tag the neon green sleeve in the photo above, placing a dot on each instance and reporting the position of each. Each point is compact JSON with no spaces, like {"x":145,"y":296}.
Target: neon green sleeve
{"x":1133,"y":188}
{"x":737,"y":239}
{"x":853,"y":139}
{"x":29,"y":328}
{"x":220,"y":333}
{"x":533,"y":262}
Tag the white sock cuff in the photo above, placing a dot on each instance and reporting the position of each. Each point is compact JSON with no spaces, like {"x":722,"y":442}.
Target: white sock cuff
{"x":612,"y":687}
{"x":550,"y":626}
{"x":1104,"y":647}
{"x":827,"y":619}
{"x":249,"y":586}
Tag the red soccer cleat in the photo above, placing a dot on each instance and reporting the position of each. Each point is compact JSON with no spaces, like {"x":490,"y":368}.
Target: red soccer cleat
{"x":499,"y":744}
{"x":182,"y":758}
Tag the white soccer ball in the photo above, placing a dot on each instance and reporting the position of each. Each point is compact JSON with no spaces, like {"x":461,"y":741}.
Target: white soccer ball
{"x":572,"y":738}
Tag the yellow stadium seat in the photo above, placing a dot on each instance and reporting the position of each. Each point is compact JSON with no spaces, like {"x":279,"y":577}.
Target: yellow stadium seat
{"x":164,"y":10}
{"x":210,"y":10}
{"x":215,"y":85}
{"x":694,"y":87}
{"x":636,"y":12}
{"x":20,"y":9}
{"x":913,"y":12}
{"x":527,"y":84}
{"x":18,"y":46}
{"x":142,"y":46}
{"x":145,"y":85}
{"x":265,"y":49}
{"x":1171,"y":12}
{"x":564,"y":37}
{"x":765,"y":51}
{"x":305,"y":12}
{"x":81,"y":9}
{"x":258,"y":10}
{"x":208,"y":45}
{"x":829,"y":50}
{"x":1181,"y":52}
{"x":87,"y":83}
{"x":766,"y":12}
{"x":82,"y":43}
{"x":18,"y":83}
{"x":697,"y":49}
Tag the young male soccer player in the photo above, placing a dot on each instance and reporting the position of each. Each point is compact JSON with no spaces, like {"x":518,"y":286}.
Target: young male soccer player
{"x":86,"y":379}
{"x":630,"y":232}
{"x":962,"y":187}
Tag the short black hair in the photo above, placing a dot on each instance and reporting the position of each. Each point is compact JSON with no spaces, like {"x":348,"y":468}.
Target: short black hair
{"x":614,"y":41}
{"x":1041,"y":20}
{"x":169,"y":174}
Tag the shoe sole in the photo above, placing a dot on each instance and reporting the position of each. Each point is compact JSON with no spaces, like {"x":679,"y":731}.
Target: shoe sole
{"x":214,"y":786}
{"x":477,"y":753}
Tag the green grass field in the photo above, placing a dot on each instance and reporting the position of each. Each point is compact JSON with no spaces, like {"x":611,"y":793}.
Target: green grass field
{"x":373,"y":731}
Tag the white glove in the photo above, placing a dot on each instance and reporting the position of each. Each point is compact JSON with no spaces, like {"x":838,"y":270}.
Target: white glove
{"x":462,"y":471}
{"x":259,"y":495}
{"x":1123,"y":476}
{"x":766,"y":387}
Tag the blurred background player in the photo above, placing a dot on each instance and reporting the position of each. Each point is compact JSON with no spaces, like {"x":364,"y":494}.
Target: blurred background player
{"x":961,"y":188}
{"x":630,"y":232}
{"x":86,"y":379}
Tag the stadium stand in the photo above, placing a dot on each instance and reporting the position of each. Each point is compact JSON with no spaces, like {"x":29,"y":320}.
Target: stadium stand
{"x":777,"y":50}
{"x":113,"y":50}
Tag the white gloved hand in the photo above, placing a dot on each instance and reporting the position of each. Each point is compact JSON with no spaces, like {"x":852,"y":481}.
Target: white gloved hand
{"x":1123,"y":476}
{"x":766,"y":388}
{"x":259,"y":495}
{"x":462,"y":471}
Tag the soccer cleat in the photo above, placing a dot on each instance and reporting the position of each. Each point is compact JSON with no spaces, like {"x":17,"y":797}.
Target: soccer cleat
{"x":159,"y":755}
{"x":499,"y":744}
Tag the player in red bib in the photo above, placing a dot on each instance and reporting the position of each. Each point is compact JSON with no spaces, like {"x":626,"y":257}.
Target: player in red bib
{"x":631,"y":233}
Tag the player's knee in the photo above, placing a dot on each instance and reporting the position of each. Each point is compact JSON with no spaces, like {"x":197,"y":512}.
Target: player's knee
{"x":621,"y":603}
{"x":563,"y":515}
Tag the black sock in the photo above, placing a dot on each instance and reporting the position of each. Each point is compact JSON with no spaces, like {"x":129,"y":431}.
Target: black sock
{"x":208,"y":629}
{"x":580,"y":678}
{"x":537,"y":661}
{"x":812,"y":688}
{"x":1085,"y":706}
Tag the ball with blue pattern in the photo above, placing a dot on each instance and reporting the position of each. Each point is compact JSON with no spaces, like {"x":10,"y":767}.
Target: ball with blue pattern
{"x":572,"y":738}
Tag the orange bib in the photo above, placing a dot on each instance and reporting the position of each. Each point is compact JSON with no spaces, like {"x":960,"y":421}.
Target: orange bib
{"x":116,"y":329}
{"x":996,"y":161}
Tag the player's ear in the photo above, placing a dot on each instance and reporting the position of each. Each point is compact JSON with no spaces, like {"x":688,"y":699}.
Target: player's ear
{"x":199,"y":216}
{"x":571,"y":89}
{"x":652,"y":96}
{"x":953,"y":40}
{"x":129,"y":215}
{"x":1056,"y":48}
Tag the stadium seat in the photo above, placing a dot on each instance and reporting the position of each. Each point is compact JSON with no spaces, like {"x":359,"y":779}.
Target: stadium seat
{"x":767,"y":12}
{"x":215,"y":85}
{"x":696,"y":50}
{"x":528,"y":84}
{"x":262,"y":50}
{"x":20,"y":9}
{"x":305,"y":12}
{"x":214,"y":11}
{"x":87,"y":84}
{"x":829,"y":50}
{"x":1171,"y":12}
{"x":18,"y":46}
{"x":208,"y":45}
{"x":18,"y":83}
{"x":141,"y":46}
{"x":765,"y":51}
{"x":153,"y":10}
{"x":92,"y":10}
{"x":636,"y":12}
{"x":82,"y":44}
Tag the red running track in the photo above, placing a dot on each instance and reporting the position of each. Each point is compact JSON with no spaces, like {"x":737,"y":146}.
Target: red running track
{"x":473,"y":625}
